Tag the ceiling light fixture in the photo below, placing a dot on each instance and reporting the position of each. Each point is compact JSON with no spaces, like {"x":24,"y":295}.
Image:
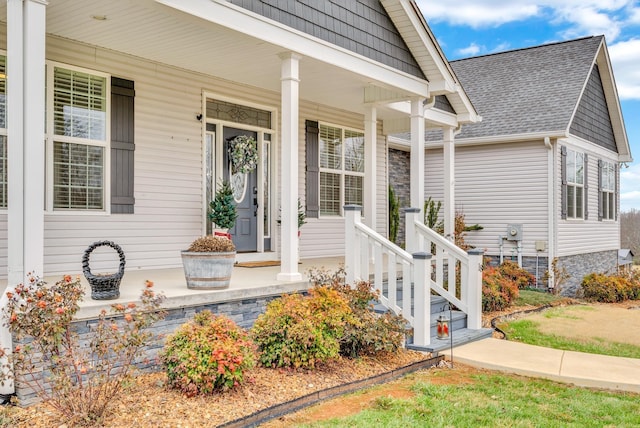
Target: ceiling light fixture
{"x":99,"y":17}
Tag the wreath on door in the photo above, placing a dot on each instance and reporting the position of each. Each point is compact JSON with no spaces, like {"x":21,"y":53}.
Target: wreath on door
{"x":243,"y":153}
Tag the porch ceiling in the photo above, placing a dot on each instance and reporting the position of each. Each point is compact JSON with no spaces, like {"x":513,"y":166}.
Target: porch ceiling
{"x":146,"y":29}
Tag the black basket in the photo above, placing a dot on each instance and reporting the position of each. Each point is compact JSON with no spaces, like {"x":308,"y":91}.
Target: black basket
{"x":103,"y":287}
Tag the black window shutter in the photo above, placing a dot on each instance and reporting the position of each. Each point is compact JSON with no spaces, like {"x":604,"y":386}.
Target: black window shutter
{"x":600,"y":201}
{"x":312,"y":169}
{"x":122,"y":146}
{"x":586,"y":187}
{"x":563,"y":177}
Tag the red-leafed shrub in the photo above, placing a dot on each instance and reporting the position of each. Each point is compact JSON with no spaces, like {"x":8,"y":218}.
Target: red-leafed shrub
{"x":498,"y":290}
{"x":207,"y":354}
{"x":520,"y":276}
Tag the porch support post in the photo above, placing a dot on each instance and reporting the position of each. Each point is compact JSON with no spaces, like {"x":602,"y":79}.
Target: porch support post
{"x":422,"y":300}
{"x":417,"y":163}
{"x":417,"y":153}
{"x":474,"y":278}
{"x":449,"y":182}
{"x":411,"y":239}
{"x":289,"y":153}
{"x":369,"y":196}
{"x":26,"y":25}
{"x":351,"y":245}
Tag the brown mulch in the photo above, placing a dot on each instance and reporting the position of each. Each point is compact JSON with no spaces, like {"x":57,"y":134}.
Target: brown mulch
{"x":150,"y":403}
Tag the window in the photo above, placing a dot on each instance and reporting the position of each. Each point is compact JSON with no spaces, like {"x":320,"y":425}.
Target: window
{"x":79,"y":138}
{"x":341,"y":168}
{"x":608,"y":191}
{"x":575,"y":184}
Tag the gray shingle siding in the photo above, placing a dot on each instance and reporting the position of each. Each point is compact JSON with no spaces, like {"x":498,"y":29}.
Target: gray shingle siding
{"x":361,"y":26}
{"x":592,"y":121}
{"x":442,"y":103}
{"x":526,"y":90}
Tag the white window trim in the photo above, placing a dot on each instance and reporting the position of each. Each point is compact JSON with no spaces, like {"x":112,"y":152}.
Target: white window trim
{"x":50,"y":137}
{"x":570,"y":183}
{"x":343,"y":172}
{"x":4,"y":131}
{"x":604,"y":196}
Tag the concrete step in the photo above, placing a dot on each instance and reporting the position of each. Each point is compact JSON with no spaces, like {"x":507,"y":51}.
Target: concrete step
{"x":458,"y":337}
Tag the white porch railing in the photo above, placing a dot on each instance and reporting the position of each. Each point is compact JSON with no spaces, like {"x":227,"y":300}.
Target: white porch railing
{"x":369,"y":255}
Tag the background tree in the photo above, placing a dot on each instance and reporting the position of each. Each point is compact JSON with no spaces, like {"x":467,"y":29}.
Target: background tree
{"x":630,"y":231}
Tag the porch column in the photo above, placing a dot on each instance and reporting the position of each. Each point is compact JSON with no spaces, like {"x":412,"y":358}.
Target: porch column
{"x":449,"y":182}
{"x":289,"y":183}
{"x":417,"y":153}
{"x":26,"y":41}
{"x":369,"y":196}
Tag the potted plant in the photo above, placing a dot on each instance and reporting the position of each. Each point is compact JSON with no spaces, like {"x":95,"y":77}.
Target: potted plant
{"x":208,"y":263}
{"x":222,"y":210}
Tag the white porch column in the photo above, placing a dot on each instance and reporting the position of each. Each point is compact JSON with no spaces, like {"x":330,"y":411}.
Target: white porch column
{"x":448,"y":135}
{"x":370,"y":142}
{"x":26,"y":41}
{"x":289,"y":183}
{"x":417,"y":153}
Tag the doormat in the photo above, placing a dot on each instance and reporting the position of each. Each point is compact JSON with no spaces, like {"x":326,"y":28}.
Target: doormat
{"x":265,"y":263}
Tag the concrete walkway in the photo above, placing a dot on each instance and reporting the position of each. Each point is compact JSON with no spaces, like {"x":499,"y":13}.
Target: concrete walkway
{"x":578,"y":368}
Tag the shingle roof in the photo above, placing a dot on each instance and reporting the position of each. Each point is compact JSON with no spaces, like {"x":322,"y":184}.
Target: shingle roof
{"x":527,"y":90}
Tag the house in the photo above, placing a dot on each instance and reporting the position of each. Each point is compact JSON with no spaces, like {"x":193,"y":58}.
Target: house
{"x":625,"y":260}
{"x":540,"y":173}
{"x":140,"y":101}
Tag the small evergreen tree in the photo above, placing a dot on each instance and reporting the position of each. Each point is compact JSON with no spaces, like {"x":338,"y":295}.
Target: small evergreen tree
{"x":394,"y":215}
{"x":222,"y":210}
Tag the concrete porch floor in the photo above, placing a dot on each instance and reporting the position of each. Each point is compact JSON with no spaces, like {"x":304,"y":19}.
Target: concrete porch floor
{"x":246,"y":283}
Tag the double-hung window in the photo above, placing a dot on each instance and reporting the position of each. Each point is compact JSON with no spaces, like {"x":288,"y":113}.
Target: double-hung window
{"x":78,"y":136}
{"x":341,"y":168}
{"x":608,"y":191}
{"x":575,"y":185}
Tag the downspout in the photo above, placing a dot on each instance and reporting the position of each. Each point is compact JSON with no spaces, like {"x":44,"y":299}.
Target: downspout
{"x":551,"y":204}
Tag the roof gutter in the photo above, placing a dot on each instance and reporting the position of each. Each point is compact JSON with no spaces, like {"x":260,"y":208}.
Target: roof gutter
{"x":498,"y":139}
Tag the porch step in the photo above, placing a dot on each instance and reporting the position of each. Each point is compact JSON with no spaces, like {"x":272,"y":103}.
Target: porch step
{"x":460,"y":337}
{"x":457,"y":325}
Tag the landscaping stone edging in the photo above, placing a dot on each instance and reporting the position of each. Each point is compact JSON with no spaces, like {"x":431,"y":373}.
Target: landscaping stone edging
{"x":291,"y":406}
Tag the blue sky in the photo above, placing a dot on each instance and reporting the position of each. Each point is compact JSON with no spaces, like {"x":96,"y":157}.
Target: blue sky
{"x":466,"y":28}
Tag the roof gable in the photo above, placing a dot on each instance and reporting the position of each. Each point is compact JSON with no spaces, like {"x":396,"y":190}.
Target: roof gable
{"x":592,"y":120}
{"x":361,"y":26}
{"x":527,"y":91}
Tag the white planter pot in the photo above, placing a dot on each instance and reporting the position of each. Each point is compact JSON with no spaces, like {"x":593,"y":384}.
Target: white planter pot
{"x":208,"y":271}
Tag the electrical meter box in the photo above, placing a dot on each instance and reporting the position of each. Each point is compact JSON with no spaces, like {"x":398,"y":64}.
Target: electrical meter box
{"x":514,"y":232}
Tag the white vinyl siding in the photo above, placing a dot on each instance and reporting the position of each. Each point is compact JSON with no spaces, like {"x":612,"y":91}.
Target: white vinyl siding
{"x":169,"y":210}
{"x":588,"y":236}
{"x":496,"y":185}
{"x":3,"y":132}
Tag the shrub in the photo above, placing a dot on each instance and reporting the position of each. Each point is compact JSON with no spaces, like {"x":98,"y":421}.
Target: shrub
{"x":81,"y":380}
{"x":207,"y":354}
{"x":520,"y":276}
{"x":498,"y":291}
{"x":597,"y":287}
{"x":212,"y":244}
{"x":366,"y":333}
{"x":300,"y":331}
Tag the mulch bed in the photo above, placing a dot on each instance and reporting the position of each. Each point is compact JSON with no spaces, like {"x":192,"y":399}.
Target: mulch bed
{"x":149,"y":403}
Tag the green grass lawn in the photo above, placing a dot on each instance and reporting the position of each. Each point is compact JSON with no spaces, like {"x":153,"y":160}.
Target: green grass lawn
{"x":536,"y":298}
{"x":528,"y":331}
{"x":497,"y":400}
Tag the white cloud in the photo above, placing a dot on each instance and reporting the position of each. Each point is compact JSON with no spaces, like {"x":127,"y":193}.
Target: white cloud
{"x":625,"y":57}
{"x":471,"y":50}
{"x":584,"y":17}
{"x":630,"y":187}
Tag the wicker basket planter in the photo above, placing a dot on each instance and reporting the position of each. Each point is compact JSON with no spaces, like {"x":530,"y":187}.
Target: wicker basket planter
{"x":208,"y":271}
{"x":103,"y":286}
